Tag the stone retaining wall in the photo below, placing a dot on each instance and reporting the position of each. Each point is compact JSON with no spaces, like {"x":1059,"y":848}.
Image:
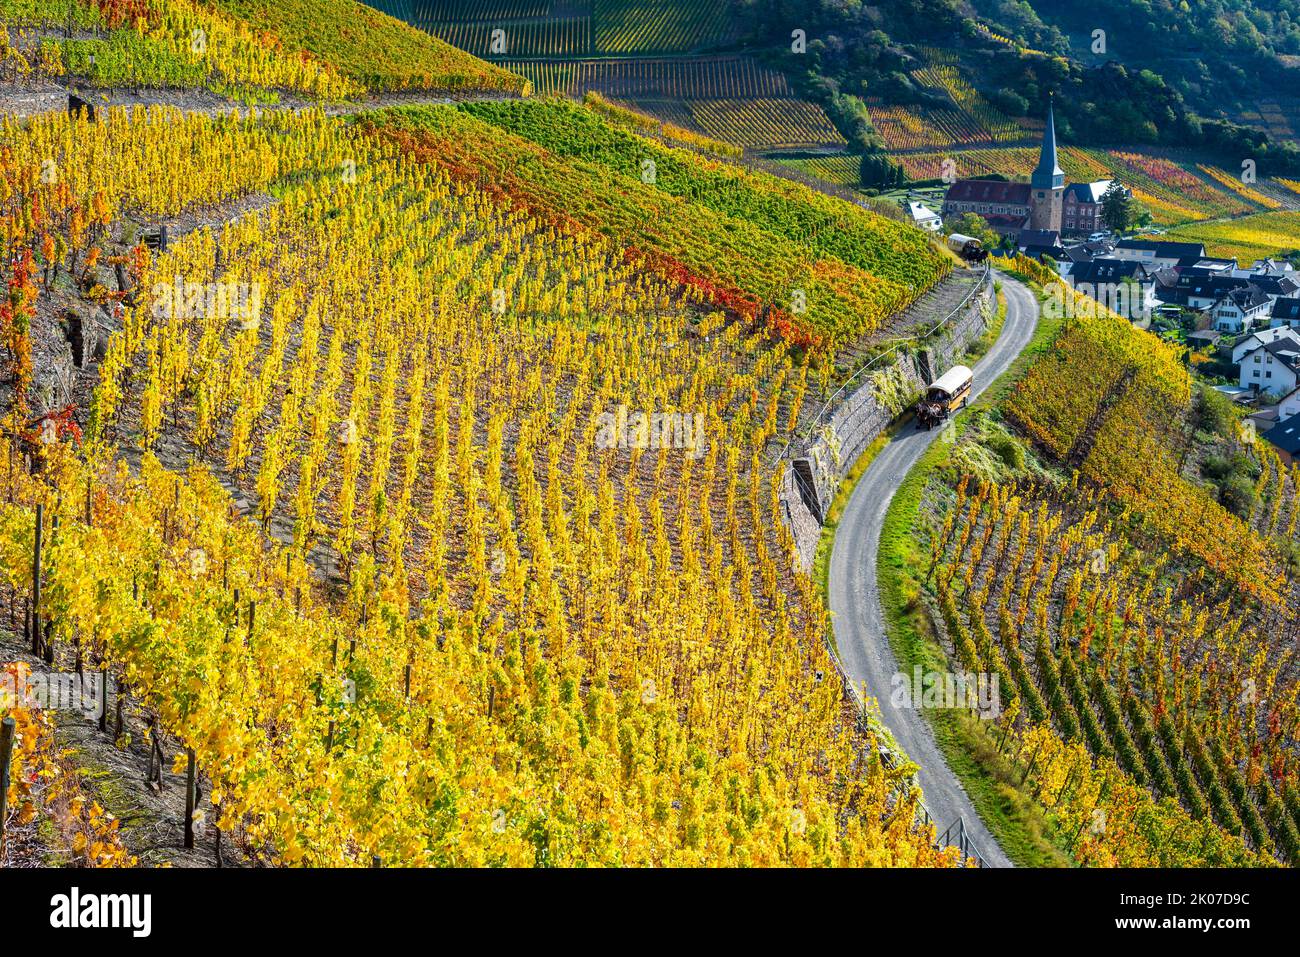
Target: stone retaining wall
{"x":813,"y":473}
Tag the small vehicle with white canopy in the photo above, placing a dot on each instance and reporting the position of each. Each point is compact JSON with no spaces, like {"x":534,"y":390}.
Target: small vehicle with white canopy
{"x":944,"y":396}
{"x":968,"y":248}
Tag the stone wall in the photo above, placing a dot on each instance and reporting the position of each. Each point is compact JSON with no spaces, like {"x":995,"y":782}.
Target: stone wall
{"x":813,"y":472}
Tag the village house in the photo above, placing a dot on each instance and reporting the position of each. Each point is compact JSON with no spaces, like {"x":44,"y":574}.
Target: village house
{"x":1109,"y":269}
{"x":1109,"y":272}
{"x":1267,"y":267}
{"x":1085,"y":252}
{"x":1194,"y":288}
{"x":1234,"y":299}
{"x":1240,"y":309}
{"x":1082,"y":209}
{"x":1003,"y":205}
{"x":1271,"y":369}
{"x":1037,"y":243}
{"x":1288,"y":405}
{"x":1159,"y":254}
{"x":924,"y":217}
{"x":1209,"y":265}
{"x":1286,"y":311}
{"x":1275,"y":286}
{"x":1285,"y":438}
{"x":1252,"y":341}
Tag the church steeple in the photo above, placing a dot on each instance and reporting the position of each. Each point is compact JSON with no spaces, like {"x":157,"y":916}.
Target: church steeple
{"x":1048,"y":174}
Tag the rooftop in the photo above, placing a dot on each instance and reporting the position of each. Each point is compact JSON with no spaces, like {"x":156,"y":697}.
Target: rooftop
{"x":1286,"y":435}
{"x":1164,"y":248}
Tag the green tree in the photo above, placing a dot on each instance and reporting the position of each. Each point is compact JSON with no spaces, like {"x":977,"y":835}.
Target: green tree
{"x":973,"y":225}
{"x":879,"y":172}
{"x":1119,"y":210}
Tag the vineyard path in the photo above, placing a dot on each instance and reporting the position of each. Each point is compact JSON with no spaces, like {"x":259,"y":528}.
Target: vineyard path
{"x":854,"y":591}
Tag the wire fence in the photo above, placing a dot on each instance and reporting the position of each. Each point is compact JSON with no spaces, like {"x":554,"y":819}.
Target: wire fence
{"x":896,"y":345}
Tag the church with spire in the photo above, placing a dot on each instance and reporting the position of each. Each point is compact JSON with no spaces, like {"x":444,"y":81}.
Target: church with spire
{"x":1047,"y":184}
{"x":1037,"y":210}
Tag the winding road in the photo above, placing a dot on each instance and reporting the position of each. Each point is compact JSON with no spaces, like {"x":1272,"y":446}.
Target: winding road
{"x":854,"y":592}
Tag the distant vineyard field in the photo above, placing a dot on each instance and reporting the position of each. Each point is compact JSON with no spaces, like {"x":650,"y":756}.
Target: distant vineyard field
{"x":720,"y":77}
{"x":587,"y":27}
{"x":917,"y":128}
{"x":730,"y":98}
{"x":772,"y":123}
{"x":943,"y":73}
{"x":674,"y":111}
{"x":567,"y":36}
{"x":971,"y":120}
{"x":765,"y":122}
{"x":842,"y":169}
{"x":1234,"y":184}
{"x":1280,"y":118}
{"x":668,"y":26}
{"x":436,"y":11}
{"x":1248,"y":238}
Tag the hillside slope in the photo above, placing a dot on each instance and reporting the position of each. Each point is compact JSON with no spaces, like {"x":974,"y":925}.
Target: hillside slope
{"x":428,"y":510}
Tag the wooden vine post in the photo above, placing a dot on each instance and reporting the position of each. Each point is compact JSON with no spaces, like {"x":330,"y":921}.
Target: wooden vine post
{"x":49,"y":624}
{"x":36,"y":580}
{"x":189,"y":799}
{"x":6,"y":753}
{"x":103,"y":694}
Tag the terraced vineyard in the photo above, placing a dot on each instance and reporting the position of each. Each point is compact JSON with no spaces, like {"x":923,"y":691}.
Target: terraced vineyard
{"x":1091,"y":638}
{"x":1249,"y":238}
{"x":322,"y":49}
{"x":374,"y":49}
{"x":1109,"y":401}
{"x":420,"y":553}
{"x":422,"y":490}
{"x":715,"y":227}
